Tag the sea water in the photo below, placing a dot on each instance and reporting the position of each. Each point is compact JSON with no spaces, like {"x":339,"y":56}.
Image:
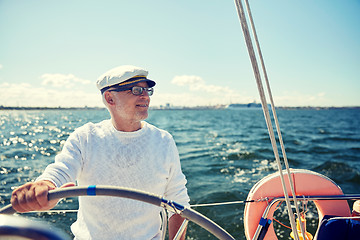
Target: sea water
{"x":223,"y":153}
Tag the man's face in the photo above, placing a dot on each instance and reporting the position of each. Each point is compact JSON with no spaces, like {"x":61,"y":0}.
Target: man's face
{"x":131,"y":107}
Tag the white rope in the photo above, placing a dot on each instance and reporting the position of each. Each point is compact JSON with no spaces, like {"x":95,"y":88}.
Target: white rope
{"x":275,"y":116}
{"x":192,"y":206}
{"x":218,"y":204}
{"x":253,"y":59}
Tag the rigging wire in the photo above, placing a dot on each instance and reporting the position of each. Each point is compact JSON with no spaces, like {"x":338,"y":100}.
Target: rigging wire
{"x":221,"y":203}
{"x":253,"y":59}
{"x":274,"y":114}
{"x":192,"y":206}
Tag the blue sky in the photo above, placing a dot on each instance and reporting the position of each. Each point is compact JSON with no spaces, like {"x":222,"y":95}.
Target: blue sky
{"x":52,"y":52}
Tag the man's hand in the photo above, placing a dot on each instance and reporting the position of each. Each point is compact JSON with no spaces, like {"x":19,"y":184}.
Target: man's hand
{"x":33,"y":196}
{"x":175,"y":222}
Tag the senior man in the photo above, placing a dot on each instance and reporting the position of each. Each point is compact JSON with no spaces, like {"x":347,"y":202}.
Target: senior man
{"x":123,"y":151}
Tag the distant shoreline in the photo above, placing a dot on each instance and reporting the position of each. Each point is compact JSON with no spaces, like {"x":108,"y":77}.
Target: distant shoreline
{"x":174,"y":108}
{"x":50,"y":108}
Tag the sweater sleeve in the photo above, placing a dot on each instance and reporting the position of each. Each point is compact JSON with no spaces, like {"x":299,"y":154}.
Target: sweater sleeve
{"x":176,"y":187}
{"x":67,"y":164}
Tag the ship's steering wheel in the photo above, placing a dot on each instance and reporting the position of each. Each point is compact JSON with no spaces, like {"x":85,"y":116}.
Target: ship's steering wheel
{"x":150,"y":198}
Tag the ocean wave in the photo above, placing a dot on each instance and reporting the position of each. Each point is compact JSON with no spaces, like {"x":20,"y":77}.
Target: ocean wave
{"x":340,"y":172}
{"x":223,"y":153}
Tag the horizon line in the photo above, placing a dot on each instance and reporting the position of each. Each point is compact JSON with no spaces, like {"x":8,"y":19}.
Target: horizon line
{"x":161,"y":107}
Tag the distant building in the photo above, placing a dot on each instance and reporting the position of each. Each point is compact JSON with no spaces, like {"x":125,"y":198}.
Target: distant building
{"x":245,"y":105}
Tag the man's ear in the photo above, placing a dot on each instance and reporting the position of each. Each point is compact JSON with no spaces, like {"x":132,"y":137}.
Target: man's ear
{"x":109,"y":98}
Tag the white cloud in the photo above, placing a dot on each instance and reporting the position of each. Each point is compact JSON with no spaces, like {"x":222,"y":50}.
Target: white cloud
{"x":61,"y":80}
{"x":202,"y":94}
{"x":55,"y":90}
{"x":192,"y":99}
{"x":198,"y":94}
{"x":292,"y":99}
{"x":1,"y":66}
{"x":196,"y":83}
{"x":27,"y":95}
{"x":187,"y":80}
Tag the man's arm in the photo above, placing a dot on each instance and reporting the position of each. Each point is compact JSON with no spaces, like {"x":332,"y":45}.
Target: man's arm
{"x":175,"y":222}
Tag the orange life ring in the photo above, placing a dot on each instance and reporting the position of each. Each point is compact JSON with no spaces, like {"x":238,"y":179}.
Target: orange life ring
{"x":306,"y":183}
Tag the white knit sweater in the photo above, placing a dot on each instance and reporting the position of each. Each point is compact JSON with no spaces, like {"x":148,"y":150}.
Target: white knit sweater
{"x":98,"y":154}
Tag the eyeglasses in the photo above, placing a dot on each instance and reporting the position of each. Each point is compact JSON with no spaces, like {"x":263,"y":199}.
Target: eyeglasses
{"x":136,"y":90}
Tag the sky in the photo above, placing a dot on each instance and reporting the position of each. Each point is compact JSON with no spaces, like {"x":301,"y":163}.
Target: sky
{"x":52,"y":52}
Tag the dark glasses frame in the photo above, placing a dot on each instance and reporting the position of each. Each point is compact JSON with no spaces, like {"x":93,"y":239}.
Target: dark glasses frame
{"x":135,"y":90}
